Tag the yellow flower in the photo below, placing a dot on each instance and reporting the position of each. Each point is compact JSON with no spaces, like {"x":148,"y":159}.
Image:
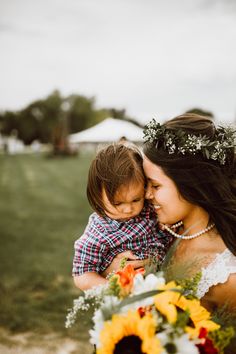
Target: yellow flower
{"x":166,"y":301}
{"x":169,"y":286}
{"x":199,"y":316}
{"x":130,"y":324}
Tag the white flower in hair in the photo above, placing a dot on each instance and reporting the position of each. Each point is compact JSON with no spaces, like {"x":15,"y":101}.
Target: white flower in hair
{"x":220,"y":149}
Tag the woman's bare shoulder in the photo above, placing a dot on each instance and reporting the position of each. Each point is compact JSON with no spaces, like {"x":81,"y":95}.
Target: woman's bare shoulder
{"x":224,"y":293}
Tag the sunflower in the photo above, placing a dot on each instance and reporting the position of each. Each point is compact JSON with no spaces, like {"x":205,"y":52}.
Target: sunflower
{"x":166,"y":301}
{"x":199,"y":315}
{"x":129,"y":330}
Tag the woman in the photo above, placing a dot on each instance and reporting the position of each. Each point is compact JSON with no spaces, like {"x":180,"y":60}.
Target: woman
{"x":192,"y":179}
{"x":191,"y":174}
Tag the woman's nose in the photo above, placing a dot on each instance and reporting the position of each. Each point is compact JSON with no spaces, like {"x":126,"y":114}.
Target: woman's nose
{"x":148,"y":194}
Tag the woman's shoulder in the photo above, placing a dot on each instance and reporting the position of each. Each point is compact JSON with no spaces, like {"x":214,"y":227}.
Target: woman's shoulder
{"x":224,"y":293}
{"x":226,"y":259}
{"x":220,"y":270}
{"x":222,"y":264}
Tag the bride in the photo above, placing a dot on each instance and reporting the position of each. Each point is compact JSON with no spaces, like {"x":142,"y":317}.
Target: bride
{"x":190,"y":165}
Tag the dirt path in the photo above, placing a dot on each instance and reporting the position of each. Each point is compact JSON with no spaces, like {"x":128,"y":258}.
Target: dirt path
{"x":30,"y":343}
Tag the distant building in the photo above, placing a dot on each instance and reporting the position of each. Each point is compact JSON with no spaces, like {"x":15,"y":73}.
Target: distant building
{"x":108,"y":131}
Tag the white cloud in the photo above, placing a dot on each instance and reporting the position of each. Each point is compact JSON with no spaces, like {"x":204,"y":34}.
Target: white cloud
{"x":152,"y":57}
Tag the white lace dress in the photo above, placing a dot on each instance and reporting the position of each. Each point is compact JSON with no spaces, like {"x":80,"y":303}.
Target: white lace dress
{"x":218,"y":271}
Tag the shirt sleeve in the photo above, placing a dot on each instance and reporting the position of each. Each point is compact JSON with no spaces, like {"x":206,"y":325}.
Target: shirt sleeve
{"x":90,"y":249}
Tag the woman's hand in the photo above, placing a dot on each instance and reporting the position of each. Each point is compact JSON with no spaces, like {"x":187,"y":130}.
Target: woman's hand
{"x":131,"y":259}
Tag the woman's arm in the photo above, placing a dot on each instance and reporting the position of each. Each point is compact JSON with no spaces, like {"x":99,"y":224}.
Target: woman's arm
{"x":131,"y":259}
{"x":88,"y":280}
{"x":222,"y":294}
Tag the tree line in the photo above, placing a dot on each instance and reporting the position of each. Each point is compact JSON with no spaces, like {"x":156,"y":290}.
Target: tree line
{"x":52,"y":119}
{"x":49,"y":119}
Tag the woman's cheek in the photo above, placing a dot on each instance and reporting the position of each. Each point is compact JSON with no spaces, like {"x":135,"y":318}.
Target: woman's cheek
{"x":156,"y":194}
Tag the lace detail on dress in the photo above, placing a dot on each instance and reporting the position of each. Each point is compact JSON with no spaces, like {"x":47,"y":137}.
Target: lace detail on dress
{"x":217,"y":272}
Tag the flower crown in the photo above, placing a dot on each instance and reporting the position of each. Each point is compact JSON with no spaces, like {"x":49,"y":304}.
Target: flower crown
{"x":181,"y":142}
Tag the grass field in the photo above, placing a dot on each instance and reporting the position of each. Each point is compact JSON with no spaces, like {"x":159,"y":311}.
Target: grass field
{"x":43,"y":209}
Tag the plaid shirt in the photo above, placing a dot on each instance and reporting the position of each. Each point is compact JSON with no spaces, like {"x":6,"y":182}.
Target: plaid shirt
{"x":104,"y":238}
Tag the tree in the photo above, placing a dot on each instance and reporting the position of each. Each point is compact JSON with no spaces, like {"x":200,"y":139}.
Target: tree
{"x":82,"y":113}
{"x":38,"y":119}
{"x":50,"y":120}
{"x":9,"y":122}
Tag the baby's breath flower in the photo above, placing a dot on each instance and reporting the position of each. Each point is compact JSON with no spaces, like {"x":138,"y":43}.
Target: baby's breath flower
{"x":93,"y":296}
{"x":217,"y":149}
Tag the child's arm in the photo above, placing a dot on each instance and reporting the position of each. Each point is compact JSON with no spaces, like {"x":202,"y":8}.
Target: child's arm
{"x":88,"y":280}
{"x":90,"y":250}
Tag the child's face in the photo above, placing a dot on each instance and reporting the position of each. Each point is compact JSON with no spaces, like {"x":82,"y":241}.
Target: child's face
{"x":128,"y":202}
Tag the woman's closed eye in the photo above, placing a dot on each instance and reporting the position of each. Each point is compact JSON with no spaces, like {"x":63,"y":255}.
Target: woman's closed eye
{"x":155,"y":186}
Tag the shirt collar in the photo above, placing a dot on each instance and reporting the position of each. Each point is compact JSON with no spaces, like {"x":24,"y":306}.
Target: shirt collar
{"x":144,"y":214}
{"x":117,"y":223}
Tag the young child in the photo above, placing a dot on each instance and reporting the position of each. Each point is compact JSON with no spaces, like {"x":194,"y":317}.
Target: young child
{"x":122,"y":219}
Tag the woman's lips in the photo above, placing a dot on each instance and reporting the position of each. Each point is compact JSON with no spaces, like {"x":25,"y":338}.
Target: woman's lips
{"x":157,"y":207}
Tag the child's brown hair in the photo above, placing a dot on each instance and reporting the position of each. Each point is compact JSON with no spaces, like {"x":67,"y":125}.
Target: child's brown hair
{"x":114,"y":166}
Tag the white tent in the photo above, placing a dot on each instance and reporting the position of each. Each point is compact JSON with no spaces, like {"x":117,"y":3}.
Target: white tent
{"x":109,"y":130}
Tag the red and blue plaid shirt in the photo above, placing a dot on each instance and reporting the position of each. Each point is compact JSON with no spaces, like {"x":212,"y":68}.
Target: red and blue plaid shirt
{"x":104,"y":238}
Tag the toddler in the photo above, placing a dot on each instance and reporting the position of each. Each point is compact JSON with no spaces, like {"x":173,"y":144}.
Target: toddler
{"x":122,"y":220}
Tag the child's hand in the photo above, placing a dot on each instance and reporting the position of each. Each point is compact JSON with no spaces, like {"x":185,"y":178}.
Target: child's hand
{"x":161,"y":226}
{"x":131,"y":259}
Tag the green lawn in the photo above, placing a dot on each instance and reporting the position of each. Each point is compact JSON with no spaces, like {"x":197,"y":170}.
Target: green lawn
{"x":43,"y":209}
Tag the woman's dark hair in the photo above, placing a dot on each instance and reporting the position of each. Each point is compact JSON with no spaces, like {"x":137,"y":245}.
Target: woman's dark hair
{"x":114,"y":166}
{"x":201,"y":181}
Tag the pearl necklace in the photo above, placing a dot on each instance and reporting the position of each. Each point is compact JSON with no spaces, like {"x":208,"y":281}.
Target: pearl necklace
{"x":176,"y":225}
{"x":169,"y":229}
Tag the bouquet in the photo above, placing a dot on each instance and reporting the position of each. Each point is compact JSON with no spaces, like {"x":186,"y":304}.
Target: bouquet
{"x":145,"y":314}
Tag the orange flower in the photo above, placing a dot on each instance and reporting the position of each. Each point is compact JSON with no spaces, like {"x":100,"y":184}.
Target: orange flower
{"x":126,"y":276}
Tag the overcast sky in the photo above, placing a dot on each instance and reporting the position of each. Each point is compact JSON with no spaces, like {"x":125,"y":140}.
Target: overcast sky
{"x":155,"y":58}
